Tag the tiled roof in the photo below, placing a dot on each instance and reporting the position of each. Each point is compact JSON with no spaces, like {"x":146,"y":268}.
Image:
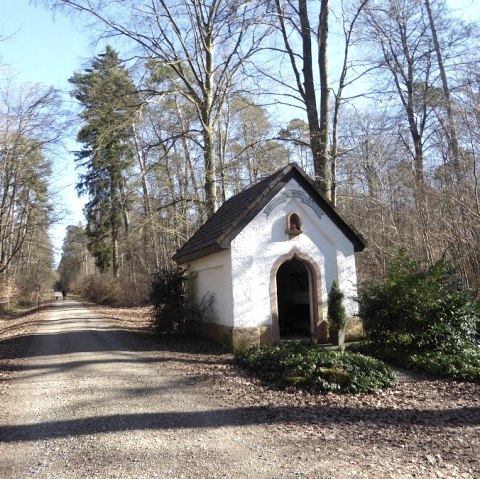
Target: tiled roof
{"x":222,"y":227}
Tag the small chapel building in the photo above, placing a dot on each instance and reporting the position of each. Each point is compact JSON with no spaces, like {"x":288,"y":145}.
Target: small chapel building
{"x":262,"y":266}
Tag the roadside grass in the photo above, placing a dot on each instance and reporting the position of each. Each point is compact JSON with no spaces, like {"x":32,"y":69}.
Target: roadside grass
{"x":305,"y":365}
{"x":461,"y":365}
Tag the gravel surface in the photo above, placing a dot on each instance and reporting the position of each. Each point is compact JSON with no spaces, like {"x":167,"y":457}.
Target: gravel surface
{"x":92,"y":394}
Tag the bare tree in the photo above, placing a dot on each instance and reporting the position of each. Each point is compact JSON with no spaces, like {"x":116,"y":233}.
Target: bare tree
{"x":205,"y":45}
{"x":27,"y":130}
{"x":348,"y":27}
{"x":299,"y":31}
{"x":293,"y":18}
{"x":399,"y":30}
{"x":450,"y":128}
{"x":251,"y":150}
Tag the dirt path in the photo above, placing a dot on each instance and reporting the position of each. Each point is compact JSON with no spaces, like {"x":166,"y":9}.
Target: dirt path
{"x":88,"y":403}
{"x":92,"y":400}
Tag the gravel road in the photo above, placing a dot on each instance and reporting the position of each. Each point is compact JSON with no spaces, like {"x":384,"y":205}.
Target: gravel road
{"x":89,"y":402}
{"x":90,"y":398}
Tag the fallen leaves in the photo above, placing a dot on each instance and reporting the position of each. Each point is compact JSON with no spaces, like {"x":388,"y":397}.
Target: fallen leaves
{"x":15,"y":330}
{"x":422,"y":429}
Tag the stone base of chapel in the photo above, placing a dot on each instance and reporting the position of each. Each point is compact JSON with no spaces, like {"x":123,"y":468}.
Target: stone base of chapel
{"x":236,"y":339}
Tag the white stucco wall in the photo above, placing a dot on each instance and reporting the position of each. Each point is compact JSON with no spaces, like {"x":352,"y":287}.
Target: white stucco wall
{"x":211,"y":275}
{"x":264,"y":240}
{"x":347,"y":277}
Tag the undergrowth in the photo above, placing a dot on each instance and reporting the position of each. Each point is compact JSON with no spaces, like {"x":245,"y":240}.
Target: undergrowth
{"x":461,"y":365}
{"x":304,"y":365}
{"x":423,"y":318}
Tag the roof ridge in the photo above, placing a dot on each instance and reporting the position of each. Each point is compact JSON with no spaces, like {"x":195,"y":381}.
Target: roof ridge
{"x":222,"y":227}
{"x":274,"y":179}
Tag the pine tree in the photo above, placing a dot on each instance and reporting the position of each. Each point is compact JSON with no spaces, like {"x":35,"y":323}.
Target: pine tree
{"x":337,"y":315}
{"x":109,"y":98}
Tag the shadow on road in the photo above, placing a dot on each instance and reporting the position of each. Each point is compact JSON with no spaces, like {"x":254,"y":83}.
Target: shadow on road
{"x":68,"y":342}
{"x":98,"y":337}
{"x":41,"y":369}
{"x":75,"y":329}
{"x":241,"y":417}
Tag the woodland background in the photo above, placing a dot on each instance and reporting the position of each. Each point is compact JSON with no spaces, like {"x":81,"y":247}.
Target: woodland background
{"x":189,"y":102}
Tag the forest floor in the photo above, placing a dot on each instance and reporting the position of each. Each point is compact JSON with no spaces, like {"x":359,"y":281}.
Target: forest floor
{"x":89,"y":392}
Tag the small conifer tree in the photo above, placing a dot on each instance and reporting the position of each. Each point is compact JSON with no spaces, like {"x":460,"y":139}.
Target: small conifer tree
{"x":337,"y":316}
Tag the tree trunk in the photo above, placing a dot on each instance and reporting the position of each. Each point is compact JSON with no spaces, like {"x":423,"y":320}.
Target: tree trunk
{"x":114,"y":225}
{"x":310,"y":100}
{"x":324,"y":97}
{"x":147,"y":208}
{"x":210,"y":170}
{"x":336,"y":109}
{"x":451,"y":130}
{"x":208,"y":130}
{"x":115,"y":258}
{"x":222,"y":149}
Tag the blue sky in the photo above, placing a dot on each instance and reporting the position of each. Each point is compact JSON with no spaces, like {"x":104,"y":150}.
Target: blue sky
{"x":42,"y":47}
{"x":47,"y":49}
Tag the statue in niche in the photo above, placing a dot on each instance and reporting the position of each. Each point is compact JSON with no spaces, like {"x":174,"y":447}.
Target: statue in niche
{"x":294,"y":224}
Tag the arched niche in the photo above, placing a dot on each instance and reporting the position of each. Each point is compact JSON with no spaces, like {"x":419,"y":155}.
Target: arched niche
{"x":294,"y":224}
{"x":313,"y":278}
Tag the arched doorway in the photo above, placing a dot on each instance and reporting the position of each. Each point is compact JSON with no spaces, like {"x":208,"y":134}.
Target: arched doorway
{"x":293,"y":300}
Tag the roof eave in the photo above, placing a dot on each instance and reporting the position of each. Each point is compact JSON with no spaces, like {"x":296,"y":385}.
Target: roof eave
{"x":186,"y":258}
{"x":223,"y":241}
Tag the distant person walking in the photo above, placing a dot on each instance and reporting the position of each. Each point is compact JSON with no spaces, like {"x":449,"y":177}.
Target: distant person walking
{"x":64,"y":293}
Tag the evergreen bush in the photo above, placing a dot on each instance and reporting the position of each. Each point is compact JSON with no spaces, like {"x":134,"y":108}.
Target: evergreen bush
{"x":419,"y":309}
{"x":459,"y":365}
{"x":422,"y":319}
{"x":168,"y":297}
{"x":304,"y":365}
{"x":337,"y":316}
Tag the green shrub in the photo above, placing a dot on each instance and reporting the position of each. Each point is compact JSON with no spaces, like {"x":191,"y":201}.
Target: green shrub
{"x":460,"y":366}
{"x":168,"y":298}
{"x":390,"y":353}
{"x":304,"y":365}
{"x":463,"y":366}
{"x":337,"y":317}
{"x":420,"y":310}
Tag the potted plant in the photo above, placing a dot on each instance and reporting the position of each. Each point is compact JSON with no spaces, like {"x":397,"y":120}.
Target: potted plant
{"x":337,"y":316}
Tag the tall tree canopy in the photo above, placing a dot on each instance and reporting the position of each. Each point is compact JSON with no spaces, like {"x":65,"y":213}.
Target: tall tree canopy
{"x":206,"y":45}
{"x":396,"y":147}
{"x":29,"y":131}
{"x":109,"y":99}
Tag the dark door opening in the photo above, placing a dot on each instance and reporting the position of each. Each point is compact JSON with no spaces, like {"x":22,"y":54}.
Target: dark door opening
{"x":293,"y":297}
